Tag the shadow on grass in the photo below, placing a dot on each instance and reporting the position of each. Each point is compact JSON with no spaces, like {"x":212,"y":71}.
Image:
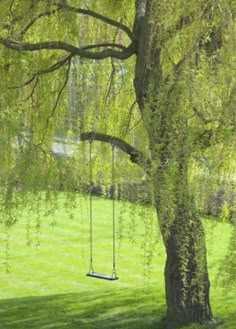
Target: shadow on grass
{"x":123,"y":309}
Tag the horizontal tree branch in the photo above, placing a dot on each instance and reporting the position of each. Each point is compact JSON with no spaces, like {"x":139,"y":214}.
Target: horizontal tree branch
{"x":136,"y":156}
{"x":73,"y":50}
{"x":103,"y":45}
{"x":62,"y":62}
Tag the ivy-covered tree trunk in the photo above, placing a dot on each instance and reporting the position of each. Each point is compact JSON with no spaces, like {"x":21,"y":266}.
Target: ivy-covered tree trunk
{"x":186,"y":277}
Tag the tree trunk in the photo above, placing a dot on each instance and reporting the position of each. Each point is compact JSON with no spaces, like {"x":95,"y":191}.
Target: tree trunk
{"x":158,"y":95}
{"x":187,"y":291}
{"x":186,"y":278}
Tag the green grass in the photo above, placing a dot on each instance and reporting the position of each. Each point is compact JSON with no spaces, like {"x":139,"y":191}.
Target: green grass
{"x":47,"y":285}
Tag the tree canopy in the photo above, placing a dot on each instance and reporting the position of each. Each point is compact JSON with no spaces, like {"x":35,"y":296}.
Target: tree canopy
{"x":154,"y":78}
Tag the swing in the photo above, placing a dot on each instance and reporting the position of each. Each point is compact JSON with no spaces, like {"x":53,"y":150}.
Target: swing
{"x":91,"y":272}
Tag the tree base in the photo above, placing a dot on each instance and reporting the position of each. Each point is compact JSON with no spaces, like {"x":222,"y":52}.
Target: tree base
{"x":206,"y":324}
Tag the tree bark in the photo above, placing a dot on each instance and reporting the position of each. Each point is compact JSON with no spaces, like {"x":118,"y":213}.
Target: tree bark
{"x":186,"y":276}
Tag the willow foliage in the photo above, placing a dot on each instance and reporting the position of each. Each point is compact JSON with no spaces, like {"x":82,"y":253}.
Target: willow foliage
{"x":52,"y":93}
{"x":40,"y":108}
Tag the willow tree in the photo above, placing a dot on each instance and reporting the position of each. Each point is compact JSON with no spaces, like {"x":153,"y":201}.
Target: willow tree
{"x":180,"y":56}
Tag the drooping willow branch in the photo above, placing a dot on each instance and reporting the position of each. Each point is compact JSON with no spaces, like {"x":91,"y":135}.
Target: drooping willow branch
{"x":59,"y":95}
{"x":73,"y":50}
{"x":35,"y":19}
{"x":127,"y":125}
{"x":62,"y":62}
{"x":50,"y":69}
{"x":61,"y":5}
{"x":36,"y":79}
{"x":136,"y":156}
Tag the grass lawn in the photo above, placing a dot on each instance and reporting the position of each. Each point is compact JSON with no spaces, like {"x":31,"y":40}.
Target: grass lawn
{"x":47,"y":287}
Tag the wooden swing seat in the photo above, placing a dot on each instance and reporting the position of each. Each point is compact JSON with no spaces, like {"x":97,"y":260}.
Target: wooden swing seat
{"x":102,"y":276}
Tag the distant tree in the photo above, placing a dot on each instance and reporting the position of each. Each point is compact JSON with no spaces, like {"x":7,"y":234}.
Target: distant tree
{"x":181,"y":57}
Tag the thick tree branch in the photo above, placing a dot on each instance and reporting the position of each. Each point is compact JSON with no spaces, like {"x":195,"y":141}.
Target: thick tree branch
{"x":104,"y":45}
{"x":135,"y":155}
{"x":140,"y":10}
{"x":98,"y":16}
{"x":60,"y":45}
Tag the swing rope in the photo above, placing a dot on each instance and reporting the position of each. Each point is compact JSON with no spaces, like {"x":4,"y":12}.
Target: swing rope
{"x":91,"y":206}
{"x":113,"y":209}
{"x":91,"y":269}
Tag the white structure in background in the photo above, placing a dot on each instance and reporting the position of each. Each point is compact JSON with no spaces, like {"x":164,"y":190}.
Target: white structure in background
{"x":64,"y":148}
